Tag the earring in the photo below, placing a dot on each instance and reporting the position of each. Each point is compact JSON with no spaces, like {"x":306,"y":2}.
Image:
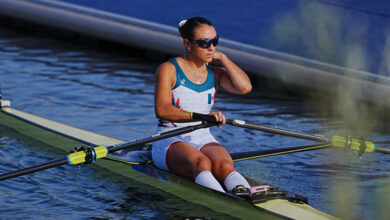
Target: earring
{"x":188,"y":50}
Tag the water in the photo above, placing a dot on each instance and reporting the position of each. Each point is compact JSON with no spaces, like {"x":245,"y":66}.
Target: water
{"x":108,"y":92}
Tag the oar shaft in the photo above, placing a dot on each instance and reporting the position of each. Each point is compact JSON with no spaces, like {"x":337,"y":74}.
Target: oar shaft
{"x":159,"y":136}
{"x":259,"y":127}
{"x":33,"y":169}
{"x":272,"y":152}
{"x":382,"y":150}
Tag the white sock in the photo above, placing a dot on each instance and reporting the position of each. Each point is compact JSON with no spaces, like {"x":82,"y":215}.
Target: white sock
{"x":234,"y":179}
{"x":207,"y":179}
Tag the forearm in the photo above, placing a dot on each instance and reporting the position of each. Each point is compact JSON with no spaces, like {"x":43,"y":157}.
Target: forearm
{"x":239,"y":79}
{"x":172,"y":113}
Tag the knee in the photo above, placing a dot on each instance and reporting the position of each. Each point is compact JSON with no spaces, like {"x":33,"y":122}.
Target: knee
{"x":222,"y":166}
{"x":202,"y":163}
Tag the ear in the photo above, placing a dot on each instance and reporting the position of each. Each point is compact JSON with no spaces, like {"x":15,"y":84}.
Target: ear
{"x":187,"y":44}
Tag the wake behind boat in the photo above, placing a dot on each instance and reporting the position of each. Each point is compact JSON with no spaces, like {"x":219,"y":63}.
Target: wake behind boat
{"x":136,"y":165}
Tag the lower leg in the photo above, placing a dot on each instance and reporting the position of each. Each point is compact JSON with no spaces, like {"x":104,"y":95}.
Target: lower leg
{"x":222,"y":166}
{"x":234,"y":179}
{"x":203,"y":175}
{"x":185,"y":160}
{"x":225,"y":172}
{"x":207,"y":179}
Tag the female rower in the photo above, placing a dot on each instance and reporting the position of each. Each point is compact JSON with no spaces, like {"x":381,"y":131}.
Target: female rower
{"x":188,"y":84}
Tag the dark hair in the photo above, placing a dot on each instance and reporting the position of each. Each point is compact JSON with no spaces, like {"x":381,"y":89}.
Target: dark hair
{"x":187,"y":29}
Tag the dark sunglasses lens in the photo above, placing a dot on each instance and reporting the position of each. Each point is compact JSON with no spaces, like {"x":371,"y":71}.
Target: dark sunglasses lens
{"x":215,"y":41}
{"x":207,"y":43}
{"x":204,"y":43}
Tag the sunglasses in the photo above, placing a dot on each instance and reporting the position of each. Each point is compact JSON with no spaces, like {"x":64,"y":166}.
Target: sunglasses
{"x":207,"y":43}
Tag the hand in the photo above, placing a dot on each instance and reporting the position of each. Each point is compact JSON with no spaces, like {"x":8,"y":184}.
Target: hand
{"x":218,"y":56}
{"x":219,"y":117}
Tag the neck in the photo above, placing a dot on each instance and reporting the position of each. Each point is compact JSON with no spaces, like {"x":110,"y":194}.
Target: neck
{"x":198,"y":64}
{"x":198,"y":71}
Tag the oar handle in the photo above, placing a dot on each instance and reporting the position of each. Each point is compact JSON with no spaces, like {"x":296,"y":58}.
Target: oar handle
{"x":204,"y":117}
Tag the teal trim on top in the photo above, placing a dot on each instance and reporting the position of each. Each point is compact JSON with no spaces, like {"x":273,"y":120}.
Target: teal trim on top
{"x":181,"y":79}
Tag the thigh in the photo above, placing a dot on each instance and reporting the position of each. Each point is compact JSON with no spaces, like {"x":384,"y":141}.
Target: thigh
{"x":159,"y":151}
{"x":216,"y":152}
{"x":185,"y":160}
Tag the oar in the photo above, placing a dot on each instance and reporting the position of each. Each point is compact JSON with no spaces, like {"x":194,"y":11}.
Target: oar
{"x":273,"y":152}
{"x":347,"y":142}
{"x":336,"y":141}
{"x":91,"y":154}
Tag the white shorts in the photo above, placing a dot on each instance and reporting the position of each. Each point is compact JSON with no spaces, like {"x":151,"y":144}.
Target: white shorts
{"x":197,"y":139}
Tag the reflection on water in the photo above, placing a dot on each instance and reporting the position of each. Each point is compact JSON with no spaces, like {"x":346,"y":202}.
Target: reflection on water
{"x":112,"y":94}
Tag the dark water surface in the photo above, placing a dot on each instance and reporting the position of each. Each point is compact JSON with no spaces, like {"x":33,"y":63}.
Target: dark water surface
{"x":111,"y":93}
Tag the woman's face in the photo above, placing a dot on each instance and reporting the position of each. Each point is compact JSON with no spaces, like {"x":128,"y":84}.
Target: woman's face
{"x":203,"y":32}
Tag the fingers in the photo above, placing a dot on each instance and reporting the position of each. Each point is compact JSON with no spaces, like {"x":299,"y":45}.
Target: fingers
{"x":217,"y":55}
{"x":219,"y":117}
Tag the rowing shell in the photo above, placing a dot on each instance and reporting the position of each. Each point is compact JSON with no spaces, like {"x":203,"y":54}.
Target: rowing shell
{"x":137,"y":168}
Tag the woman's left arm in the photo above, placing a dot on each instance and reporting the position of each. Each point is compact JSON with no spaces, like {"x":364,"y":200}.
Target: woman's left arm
{"x":231,"y":77}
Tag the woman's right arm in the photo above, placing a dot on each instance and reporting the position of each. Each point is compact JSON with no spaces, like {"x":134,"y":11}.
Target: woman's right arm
{"x":163,"y":106}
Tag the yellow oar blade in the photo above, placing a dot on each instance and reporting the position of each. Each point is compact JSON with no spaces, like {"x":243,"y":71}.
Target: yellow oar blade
{"x":360,"y":145}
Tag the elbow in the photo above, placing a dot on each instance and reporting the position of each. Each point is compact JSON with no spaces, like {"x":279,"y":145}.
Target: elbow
{"x":163,"y":112}
{"x":159,"y":113}
{"x":246,"y":89}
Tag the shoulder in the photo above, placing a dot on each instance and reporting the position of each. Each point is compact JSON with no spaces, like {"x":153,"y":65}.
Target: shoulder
{"x":166,"y":66}
{"x":166,"y":73}
{"x":170,"y":65}
{"x":166,"y":69}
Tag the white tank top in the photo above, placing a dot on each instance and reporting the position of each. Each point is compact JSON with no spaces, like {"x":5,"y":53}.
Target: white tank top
{"x":190,"y":97}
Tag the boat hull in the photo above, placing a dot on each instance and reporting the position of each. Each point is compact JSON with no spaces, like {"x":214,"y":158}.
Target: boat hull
{"x":66,"y":137}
